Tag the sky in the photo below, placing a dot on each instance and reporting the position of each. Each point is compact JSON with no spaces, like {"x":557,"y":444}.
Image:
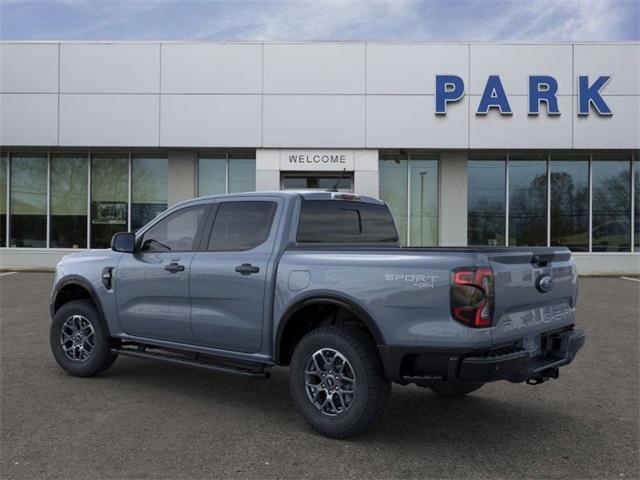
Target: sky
{"x":321,"y":20}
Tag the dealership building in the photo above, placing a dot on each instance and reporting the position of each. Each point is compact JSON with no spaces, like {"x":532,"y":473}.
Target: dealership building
{"x":469,"y":144}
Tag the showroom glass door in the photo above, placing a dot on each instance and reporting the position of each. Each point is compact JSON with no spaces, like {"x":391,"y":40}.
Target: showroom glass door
{"x":316,"y":181}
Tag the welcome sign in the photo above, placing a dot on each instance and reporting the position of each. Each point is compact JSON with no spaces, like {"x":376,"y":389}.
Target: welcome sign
{"x":317,"y":160}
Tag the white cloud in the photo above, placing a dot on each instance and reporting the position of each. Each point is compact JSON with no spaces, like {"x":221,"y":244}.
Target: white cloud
{"x":304,"y":20}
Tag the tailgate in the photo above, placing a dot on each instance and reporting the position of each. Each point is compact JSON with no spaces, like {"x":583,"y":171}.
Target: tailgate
{"x":535,"y":292}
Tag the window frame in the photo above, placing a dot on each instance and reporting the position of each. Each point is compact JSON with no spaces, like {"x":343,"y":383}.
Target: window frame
{"x":591,"y":154}
{"x":226,"y":157}
{"x":410,"y":156}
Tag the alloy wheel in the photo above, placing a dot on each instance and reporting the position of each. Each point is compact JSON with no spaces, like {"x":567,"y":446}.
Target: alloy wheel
{"x":330,"y":381}
{"x":77,"y":338}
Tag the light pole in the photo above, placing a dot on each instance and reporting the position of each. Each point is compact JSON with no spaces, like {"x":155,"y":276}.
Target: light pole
{"x":422,"y":175}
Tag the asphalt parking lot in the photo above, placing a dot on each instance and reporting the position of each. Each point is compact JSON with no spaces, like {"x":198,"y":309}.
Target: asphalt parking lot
{"x":147,"y":420}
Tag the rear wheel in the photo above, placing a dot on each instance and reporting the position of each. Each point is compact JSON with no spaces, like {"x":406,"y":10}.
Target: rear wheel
{"x":456,"y":389}
{"x":337,"y":381}
{"x":80,"y":340}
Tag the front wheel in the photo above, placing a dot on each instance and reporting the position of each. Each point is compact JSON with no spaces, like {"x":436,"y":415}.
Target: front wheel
{"x":80,"y":339}
{"x":337,"y":381}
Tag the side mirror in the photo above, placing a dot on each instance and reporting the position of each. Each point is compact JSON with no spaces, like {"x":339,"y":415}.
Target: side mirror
{"x":124,"y":242}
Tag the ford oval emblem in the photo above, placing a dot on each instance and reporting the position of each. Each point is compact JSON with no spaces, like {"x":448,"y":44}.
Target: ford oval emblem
{"x":544,"y":283}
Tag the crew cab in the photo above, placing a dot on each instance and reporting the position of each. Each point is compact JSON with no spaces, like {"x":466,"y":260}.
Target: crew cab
{"x":318,"y":282}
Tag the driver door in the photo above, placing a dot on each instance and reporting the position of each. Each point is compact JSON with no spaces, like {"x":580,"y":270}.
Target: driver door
{"x":152,"y":284}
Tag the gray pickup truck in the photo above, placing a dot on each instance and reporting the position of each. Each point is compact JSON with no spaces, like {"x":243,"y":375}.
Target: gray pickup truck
{"x":316,"y":281}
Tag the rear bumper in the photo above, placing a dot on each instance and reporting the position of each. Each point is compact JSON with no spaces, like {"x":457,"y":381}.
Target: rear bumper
{"x":425,"y":366}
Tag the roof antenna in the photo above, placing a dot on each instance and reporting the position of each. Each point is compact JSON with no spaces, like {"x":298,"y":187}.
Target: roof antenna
{"x":337,"y":184}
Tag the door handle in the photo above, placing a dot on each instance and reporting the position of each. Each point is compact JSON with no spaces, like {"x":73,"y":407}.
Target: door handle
{"x":247,"y":269}
{"x":174,"y":267}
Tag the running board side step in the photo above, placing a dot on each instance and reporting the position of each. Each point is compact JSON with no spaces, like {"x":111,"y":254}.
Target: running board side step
{"x":245,"y":371}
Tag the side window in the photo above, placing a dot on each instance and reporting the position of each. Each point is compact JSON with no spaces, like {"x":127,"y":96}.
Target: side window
{"x":241,"y":225}
{"x":177,"y":232}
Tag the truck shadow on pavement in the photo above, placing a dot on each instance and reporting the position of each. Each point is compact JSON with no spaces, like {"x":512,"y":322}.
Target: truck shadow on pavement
{"x":413,"y":416}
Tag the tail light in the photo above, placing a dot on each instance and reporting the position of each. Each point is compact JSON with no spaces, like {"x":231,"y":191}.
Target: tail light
{"x":472,"y":296}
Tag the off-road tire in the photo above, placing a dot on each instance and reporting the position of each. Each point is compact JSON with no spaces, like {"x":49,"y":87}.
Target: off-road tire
{"x":372,"y":388}
{"x":100,"y":357}
{"x":456,"y":389}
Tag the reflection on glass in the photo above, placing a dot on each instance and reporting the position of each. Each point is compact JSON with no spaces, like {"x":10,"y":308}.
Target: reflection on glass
{"x":570,"y":201}
{"x":212,"y":175}
{"x":3,"y":199}
{"x":393,"y":188}
{"x":636,"y":189}
{"x":242,"y":173}
{"x":611,"y":181}
{"x":486,"y":202}
{"x":149,"y":184}
{"x":109,"y":186}
{"x":323,"y":181}
{"x":528,"y":200}
{"x":424,"y":201}
{"x":28,"y":221}
{"x":68,"y":201}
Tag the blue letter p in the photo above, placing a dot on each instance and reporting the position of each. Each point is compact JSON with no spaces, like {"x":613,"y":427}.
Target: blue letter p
{"x":449,"y":88}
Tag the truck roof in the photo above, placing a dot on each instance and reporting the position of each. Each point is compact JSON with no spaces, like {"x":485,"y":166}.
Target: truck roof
{"x":306,"y":194}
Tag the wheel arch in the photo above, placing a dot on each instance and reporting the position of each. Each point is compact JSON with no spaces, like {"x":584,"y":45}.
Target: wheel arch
{"x":74,"y":288}
{"x":319,"y":299}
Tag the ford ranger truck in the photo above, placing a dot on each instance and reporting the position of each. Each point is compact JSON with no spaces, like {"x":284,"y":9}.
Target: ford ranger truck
{"x":318,"y":282}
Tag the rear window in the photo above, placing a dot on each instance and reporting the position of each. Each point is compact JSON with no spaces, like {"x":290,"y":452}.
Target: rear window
{"x":338,"y":221}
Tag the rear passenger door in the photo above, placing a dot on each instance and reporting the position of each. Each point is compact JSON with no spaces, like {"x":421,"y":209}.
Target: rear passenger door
{"x":228,"y":276}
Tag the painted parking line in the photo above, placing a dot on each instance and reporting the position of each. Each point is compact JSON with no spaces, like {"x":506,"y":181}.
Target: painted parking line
{"x":632,"y":279}
{"x":7,"y":273}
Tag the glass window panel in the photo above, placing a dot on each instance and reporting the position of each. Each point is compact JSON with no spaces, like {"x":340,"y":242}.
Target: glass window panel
{"x":4,"y":161}
{"x":393,"y":188}
{"x":528,"y":200}
{"x":241,"y":225}
{"x":28,"y":207}
{"x":570,"y":201}
{"x":345,"y":221}
{"x":318,"y":181}
{"x":176,"y":232}
{"x":636,"y":188}
{"x":242,"y":174}
{"x":149,"y":184}
{"x":611,"y":230}
{"x":212,"y":175}
{"x":109,"y":192}
{"x":68,"y":201}
{"x":486,"y":202}
{"x":424,"y":201}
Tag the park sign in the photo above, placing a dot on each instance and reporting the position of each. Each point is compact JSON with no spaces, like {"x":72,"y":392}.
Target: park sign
{"x":542,"y":89}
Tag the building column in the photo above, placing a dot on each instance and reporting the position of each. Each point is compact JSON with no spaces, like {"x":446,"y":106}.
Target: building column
{"x":366,"y":176}
{"x":267,"y":169}
{"x":453,"y":199}
{"x":182,"y":175}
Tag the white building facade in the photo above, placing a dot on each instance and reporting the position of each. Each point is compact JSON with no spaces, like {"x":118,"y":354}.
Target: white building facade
{"x":469,"y":144}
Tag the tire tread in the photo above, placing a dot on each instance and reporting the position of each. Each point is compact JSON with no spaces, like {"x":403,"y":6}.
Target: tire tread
{"x":379,"y":389}
{"x":103,"y":359}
